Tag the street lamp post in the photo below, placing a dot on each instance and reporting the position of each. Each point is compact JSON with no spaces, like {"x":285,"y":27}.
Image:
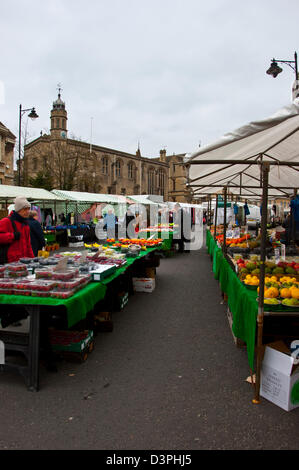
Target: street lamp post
{"x":32,"y":115}
{"x":274,"y":70}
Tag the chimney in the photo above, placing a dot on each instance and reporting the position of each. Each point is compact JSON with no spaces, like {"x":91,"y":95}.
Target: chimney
{"x":163,"y":155}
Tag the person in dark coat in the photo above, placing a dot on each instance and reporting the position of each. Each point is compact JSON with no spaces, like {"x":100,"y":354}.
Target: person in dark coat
{"x":36,"y":233}
{"x":182,"y":224}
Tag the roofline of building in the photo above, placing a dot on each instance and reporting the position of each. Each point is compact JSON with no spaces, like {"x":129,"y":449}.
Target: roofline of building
{"x":7,"y":131}
{"x":98,"y":148}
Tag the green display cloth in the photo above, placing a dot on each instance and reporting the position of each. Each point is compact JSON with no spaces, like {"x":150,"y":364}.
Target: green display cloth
{"x":241,"y":301}
{"x":77,"y":306}
{"x":130,"y":261}
{"x":210,"y":242}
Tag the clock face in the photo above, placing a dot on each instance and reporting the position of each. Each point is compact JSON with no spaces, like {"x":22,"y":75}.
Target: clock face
{"x":63,"y":134}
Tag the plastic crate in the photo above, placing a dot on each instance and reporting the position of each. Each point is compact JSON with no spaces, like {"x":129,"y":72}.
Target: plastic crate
{"x":69,"y":340}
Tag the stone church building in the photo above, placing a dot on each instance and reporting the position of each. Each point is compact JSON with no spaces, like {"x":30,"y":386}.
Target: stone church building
{"x":55,"y":161}
{"x":7,"y":143}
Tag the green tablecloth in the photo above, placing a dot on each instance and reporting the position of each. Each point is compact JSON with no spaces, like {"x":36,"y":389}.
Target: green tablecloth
{"x":130,"y":261}
{"x":82,"y":301}
{"x":241,"y":301}
{"x":76,"y":306}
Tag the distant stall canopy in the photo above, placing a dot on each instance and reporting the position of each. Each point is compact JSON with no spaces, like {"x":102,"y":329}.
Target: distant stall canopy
{"x":143,"y":199}
{"x":235,"y":160}
{"x":9,"y":193}
{"x":76,"y":196}
{"x":83,"y":202}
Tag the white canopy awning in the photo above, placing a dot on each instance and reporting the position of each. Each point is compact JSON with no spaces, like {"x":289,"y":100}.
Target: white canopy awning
{"x":234,"y":160}
{"x":9,"y":193}
{"x":76,"y":196}
{"x":142,"y":199}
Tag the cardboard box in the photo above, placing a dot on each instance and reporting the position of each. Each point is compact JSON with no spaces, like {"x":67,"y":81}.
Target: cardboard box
{"x":143,"y":284}
{"x":102,"y":271}
{"x":150,"y":272}
{"x":280,"y":377}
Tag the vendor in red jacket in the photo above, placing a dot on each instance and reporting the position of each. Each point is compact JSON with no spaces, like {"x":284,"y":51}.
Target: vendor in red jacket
{"x":19,"y":242}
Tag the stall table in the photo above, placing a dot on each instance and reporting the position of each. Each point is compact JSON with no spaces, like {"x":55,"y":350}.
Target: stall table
{"x":165,"y":234}
{"x":241,"y":301}
{"x":76,"y":308}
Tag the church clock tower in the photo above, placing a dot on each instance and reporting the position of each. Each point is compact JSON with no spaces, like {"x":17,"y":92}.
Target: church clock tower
{"x":59,"y":118}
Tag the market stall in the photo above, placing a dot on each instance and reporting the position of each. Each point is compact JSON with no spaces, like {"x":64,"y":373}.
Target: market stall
{"x":82,"y":210}
{"x":69,"y":284}
{"x":257,"y":161}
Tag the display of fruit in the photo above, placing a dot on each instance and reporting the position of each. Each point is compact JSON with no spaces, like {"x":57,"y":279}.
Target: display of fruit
{"x":7,"y":291}
{"x":43,"y":273}
{"x":285,"y":293}
{"x":7,"y":284}
{"x":271,"y":301}
{"x":42,"y":285}
{"x":24,"y":285}
{"x":13,"y":267}
{"x":290,"y":302}
{"x":240,"y":242}
{"x":295,"y":292}
{"x":64,"y":276}
{"x":62,"y":295}
{"x":73,"y":284}
{"x":38,"y":293}
{"x":26,"y":292}
{"x":251,"y":280}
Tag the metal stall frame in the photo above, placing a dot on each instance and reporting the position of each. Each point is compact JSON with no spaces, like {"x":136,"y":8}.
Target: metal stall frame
{"x":264,"y":186}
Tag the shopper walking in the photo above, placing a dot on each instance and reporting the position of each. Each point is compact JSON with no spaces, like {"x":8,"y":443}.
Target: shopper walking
{"x":110,"y":222}
{"x":130,"y":229}
{"x":100,"y":231}
{"x":38,"y":241}
{"x":182,"y":225}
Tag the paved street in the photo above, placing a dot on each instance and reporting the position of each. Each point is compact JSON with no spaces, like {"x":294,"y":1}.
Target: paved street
{"x":168,"y":377}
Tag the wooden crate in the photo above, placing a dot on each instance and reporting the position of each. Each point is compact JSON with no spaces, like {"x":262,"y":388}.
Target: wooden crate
{"x":103,"y":322}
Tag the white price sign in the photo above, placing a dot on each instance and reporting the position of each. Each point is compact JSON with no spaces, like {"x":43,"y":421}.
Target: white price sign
{"x":2,"y":353}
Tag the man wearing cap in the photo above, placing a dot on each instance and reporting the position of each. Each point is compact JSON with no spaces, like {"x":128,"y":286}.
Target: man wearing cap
{"x":15,"y":231}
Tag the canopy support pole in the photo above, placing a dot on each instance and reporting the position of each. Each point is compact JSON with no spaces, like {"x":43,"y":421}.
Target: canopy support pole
{"x":209,"y":210}
{"x":260,"y":316}
{"x":55,"y":214}
{"x":216,"y":211}
{"x":293,"y":223}
{"x":224,"y":248}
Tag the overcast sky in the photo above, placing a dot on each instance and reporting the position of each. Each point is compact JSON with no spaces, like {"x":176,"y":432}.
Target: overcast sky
{"x":169,"y":74}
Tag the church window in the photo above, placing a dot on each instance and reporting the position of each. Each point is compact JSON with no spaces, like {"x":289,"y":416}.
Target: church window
{"x":57,"y":123}
{"x":161,"y":181}
{"x":130,"y":171}
{"x":117,"y":168}
{"x":151,"y":181}
{"x":105,"y":166}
